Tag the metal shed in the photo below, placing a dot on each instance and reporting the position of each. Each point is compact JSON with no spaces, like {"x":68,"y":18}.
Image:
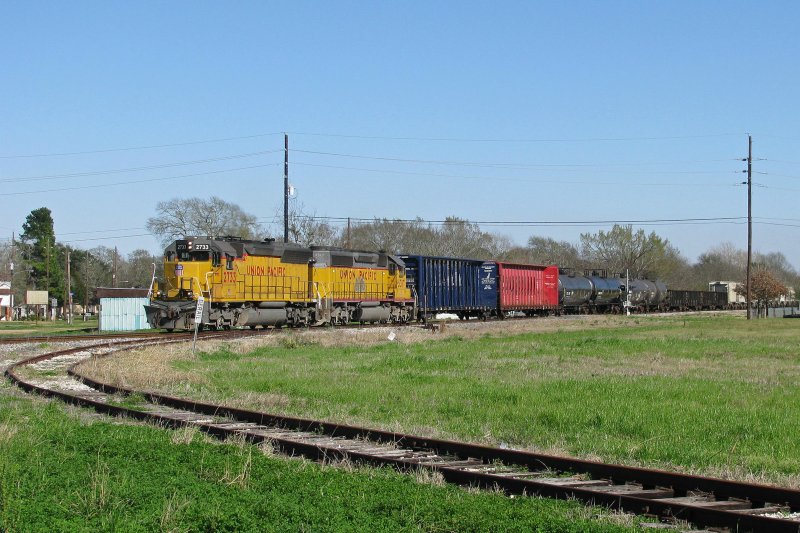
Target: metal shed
{"x":122,"y":309}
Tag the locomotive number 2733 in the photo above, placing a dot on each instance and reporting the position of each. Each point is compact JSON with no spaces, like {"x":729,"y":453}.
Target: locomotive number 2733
{"x":229,"y":277}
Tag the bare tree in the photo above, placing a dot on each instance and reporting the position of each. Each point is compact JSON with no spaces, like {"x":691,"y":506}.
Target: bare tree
{"x":194,"y":216}
{"x":623,"y":249}
{"x":544,"y":250}
{"x":137,"y":268}
{"x":309,"y":230}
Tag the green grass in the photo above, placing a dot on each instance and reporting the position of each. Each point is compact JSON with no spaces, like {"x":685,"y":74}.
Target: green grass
{"x":61,"y":473}
{"x":715,"y":394}
{"x":32,"y":328}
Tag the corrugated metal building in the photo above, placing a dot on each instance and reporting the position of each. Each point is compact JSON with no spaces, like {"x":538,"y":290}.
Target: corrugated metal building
{"x":122,"y":309}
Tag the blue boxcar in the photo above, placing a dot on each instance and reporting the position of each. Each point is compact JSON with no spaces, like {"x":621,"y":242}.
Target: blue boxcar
{"x":465,"y":287}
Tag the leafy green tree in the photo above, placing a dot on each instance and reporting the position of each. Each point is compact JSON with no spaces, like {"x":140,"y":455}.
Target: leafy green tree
{"x":44,"y":256}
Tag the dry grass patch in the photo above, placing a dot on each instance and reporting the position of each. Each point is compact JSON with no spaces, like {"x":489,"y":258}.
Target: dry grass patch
{"x":7,"y":432}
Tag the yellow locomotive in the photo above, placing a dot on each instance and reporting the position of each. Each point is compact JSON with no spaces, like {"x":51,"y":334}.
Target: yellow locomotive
{"x":266,"y":283}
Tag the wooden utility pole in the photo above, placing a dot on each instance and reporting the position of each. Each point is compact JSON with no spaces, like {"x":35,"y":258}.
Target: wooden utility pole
{"x":68,"y":299}
{"x":349,"y":242}
{"x":285,"y":187}
{"x":749,"y":217}
{"x":47,"y":265}
{"x":114,"y":270}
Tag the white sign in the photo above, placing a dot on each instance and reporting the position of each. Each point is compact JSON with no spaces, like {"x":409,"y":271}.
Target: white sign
{"x":198,"y":314}
{"x":36,"y":298}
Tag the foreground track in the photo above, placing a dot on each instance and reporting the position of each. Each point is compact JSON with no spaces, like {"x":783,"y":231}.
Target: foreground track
{"x":705,"y":502}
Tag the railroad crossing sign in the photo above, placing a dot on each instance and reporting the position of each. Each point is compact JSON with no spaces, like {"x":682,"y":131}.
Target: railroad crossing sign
{"x":198,"y":318}
{"x":198,"y":314}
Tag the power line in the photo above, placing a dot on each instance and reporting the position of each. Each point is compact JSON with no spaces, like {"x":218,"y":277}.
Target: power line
{"x":534,"y":222}
{"x":110,"y":237}
{"x":188,"y":143}
{"x":136,"y":169}
{"x":515,"y":165}
{"x":511,"y":140}
{"x":137,"y":181}
{"x":526,"y":180}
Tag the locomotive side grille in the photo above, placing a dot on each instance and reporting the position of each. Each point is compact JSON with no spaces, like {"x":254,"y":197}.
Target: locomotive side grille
{"x":297,"y":257}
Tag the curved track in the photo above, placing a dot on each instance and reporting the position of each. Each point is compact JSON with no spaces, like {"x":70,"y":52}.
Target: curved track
{"x":705,"y":502}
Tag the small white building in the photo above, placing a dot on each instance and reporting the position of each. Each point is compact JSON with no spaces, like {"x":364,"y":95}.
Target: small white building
{"x":122,"y":309}
{"x":6,"y":300}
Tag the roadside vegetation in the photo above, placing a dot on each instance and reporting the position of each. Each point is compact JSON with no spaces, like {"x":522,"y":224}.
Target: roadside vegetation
{"x":37,"y":328}
{"x":714,"y":395}
{"x":64,"y":469}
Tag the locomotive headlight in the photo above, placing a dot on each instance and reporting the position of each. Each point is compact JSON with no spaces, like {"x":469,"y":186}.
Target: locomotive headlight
{"x":189,"y":245}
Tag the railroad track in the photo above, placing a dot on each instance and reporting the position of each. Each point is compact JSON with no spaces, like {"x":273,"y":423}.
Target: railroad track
{"x":702,"y":501}
{"x":62,"y":337}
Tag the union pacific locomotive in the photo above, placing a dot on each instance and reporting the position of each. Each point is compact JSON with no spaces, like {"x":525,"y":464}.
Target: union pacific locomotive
{"x":265,"y":283}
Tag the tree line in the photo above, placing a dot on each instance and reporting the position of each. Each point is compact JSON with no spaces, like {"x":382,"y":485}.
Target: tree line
{"x":39,"y":259}
{"x":39,"y":263}
{"x":620,"y":249}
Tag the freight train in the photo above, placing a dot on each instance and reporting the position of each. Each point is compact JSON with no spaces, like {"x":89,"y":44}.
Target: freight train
{"x":247,"y":283}
{"x":265,"y":283}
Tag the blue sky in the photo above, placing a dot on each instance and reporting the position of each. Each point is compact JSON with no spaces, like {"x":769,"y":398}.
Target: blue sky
{"x":544,"y":113}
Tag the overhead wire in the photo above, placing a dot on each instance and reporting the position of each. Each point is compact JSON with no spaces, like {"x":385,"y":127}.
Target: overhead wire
{"x":495,"y":178}
{"x":130,"y":148}
{"x":512,"y":140}
{"x":149,"y":180}
{"x":137,"y":169}
{"x":501,"y":165}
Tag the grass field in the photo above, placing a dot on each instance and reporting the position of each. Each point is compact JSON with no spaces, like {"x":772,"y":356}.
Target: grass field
{"x":715,"y":395}
{"x":33,"y":328}
{"x":70,"y":470}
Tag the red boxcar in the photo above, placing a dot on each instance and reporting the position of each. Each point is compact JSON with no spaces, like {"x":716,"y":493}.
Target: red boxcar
{"x":532,"y":289}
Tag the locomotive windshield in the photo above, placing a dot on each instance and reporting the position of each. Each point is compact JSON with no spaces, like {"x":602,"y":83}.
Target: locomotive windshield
{"x":192,"y":256}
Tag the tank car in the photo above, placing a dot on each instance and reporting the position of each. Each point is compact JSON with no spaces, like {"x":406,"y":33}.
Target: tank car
{"x":646,"y":295}
{"x":607,"y":293}
{"x":574,"y":292}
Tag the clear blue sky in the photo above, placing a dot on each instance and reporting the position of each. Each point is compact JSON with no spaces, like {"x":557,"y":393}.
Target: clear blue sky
{"x":542,"y":112}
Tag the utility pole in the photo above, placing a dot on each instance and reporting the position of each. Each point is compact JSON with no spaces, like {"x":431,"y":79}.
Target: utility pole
{"x":349,"y":242}
{"x":114,"y":270}
{"x":68,"y":299}
{"x":749,"y":217}
{"x":285,"y":187}
{"x":47,"y":265}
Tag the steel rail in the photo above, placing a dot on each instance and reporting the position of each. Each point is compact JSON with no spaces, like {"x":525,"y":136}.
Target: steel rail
{"x":644,"y":491}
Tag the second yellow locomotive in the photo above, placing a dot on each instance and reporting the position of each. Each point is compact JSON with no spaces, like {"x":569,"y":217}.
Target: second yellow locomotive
{"x":266,"y":283}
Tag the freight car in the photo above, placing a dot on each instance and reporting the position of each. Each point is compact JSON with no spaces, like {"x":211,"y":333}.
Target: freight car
{"x":679,"y":300}
{"x":264,"y":283}
{"x":646,"y":295}
{"x":591,"y":292}
{"x":471,"y":288}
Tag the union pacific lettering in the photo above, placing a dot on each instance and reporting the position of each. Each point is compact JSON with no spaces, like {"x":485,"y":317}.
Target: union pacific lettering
{"x":352,"y":275}
{"x":260,"y":270}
